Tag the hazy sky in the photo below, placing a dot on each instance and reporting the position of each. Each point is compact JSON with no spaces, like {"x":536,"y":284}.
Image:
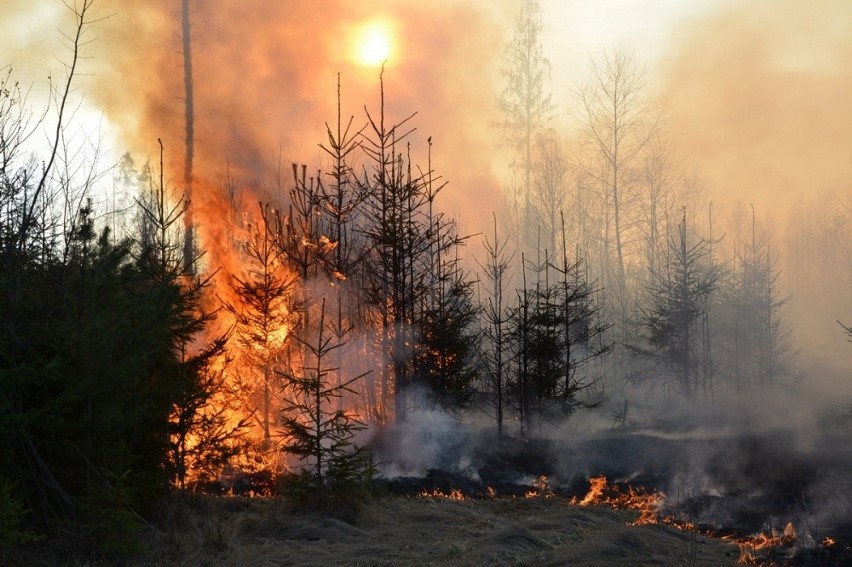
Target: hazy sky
{"x":757,"y":93}
{"x":573,"y":31}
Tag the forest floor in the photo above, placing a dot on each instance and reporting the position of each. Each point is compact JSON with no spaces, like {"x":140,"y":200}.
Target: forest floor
{"x":398,"y":530}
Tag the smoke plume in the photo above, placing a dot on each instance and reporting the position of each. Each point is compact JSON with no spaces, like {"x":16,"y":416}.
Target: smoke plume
{"x":265,"y":83}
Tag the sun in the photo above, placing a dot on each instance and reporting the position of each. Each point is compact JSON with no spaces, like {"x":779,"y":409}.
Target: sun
{"x":373,"y":43}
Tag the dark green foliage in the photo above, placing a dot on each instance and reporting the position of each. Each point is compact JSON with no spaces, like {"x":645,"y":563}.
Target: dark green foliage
{"x":444,"y":360}
{"x":317,"y":430}
{"x":99,"y":384}
{"x":12,"y":514}
{"x":675,"y":318}
{"x":86,"y":414}
{"x":555,"y":332}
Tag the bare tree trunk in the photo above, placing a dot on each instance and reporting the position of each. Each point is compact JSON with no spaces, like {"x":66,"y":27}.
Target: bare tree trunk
{"x":189,"y":116}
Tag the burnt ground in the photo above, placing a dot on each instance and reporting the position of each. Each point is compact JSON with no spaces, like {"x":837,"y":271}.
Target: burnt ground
{"x":738,"y":484}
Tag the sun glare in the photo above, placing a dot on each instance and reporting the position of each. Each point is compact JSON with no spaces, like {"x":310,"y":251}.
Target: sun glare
{"x":373,"y":44}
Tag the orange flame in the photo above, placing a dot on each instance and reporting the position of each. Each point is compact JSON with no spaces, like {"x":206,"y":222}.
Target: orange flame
{"x":649,"y":505}
{"x":455,"y":494}
{"x":542,"y":489}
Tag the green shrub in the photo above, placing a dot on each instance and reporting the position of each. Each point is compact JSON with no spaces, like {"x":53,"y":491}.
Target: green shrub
{"x":12,"y":513}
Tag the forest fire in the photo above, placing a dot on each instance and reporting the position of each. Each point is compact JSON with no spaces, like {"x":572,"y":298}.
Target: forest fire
{"x":761,"y":549}
{"x":754,"y":547}
{"x":243,"y":324}
{"x":770,"y":547}
{"x":541,"y":488}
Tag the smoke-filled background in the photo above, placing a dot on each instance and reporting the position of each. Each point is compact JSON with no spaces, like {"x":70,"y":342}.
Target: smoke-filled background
{"x":755,"y":100}
{"x":755,"y":116}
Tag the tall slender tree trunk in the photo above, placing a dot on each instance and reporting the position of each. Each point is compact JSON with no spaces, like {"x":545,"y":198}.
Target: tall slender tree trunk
{"x":189,"y":116}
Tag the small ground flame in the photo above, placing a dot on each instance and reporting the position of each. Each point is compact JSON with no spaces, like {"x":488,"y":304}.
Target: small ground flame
{"x":601,"y":493}
{"x":455,"y":494}
{"x":542,"y":489}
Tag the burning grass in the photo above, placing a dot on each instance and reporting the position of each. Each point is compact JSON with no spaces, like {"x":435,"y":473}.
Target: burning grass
{"x":773,"y":547}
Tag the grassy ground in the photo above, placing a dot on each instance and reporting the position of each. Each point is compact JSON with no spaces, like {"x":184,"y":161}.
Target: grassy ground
{"x":421,"y":531}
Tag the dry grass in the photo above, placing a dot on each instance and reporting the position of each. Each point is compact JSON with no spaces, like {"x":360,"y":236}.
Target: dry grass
{"x":399,"y":531}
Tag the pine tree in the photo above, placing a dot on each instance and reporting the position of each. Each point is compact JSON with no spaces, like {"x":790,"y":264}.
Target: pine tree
{"x":265,"y":315}
{"x":583,"y":331}
{"x":755,"y":330}
{"x":199,"y":437}
{"x":340,"y":201}
{"x":525,"y":103}
{"x":202,"y":438}
{"x":398,"y":240}
{"x":556,"y":332}
{"x":446,"y":343}
{"x":495,"y":318}
{"x":677,"y":305}
{"x":316,"y":430}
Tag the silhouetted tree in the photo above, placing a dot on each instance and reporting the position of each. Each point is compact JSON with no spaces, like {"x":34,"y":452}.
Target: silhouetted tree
{"x":525,"y":103}
{"x":398,"y":239}
{"x":583,"y":330}
{"x":340,"y":200}
{"x":447,"y":342}
{"x":674,"y":317}
{"x":200,"y":437}
{"x":494,"y":324}
{"x":556,"y":333}
{"x":265,"y":313}
{"x":757,"y":329}
{"x":618,"y":126}
{"x":316,"y":429}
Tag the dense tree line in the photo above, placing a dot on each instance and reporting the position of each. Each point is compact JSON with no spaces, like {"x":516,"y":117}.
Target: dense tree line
{"x":103,"y":379}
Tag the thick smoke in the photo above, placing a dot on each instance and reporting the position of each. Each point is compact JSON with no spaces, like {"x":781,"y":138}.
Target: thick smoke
{"x":265,"y":82}
{"x":758,"y":98}
{"x":758,"y":102}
